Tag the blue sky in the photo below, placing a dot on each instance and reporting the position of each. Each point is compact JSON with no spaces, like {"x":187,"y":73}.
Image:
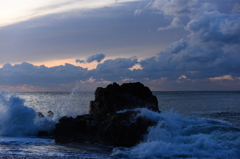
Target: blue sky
{"x":165,"y":44}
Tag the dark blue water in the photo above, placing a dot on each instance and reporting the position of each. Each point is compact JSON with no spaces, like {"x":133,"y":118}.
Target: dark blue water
{"x":222,"y":105}
{"x":191,"y":125}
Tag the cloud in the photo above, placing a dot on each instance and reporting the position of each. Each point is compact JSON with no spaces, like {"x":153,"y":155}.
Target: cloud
{"x":14,"y":11}
{"x":176,"y":23}
{"x":205,"y":57}
{"x":113,"y":31}
{"x":182,"y":77}
{"x":174,"y":7}
{"x":97,"y":57}
{"x":215,"y":27}
{"x":236,"y":8}
{"x":176,"y":47}
{"x":26,"y":73}
{"x":80,"y":61}
{"x":138,"y":11}
{"x":115,"y":69}
{"x":210,"y":50}
{"x":119,"y":63}
{"x":225,"y":77}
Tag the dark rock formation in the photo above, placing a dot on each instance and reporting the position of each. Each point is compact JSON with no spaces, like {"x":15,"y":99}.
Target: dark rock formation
{"x":127,"y":96}
{"x":50,"y":114}
{"x":42,"y":133}
{"x":104,"y":124}
{"x":40,"y":115}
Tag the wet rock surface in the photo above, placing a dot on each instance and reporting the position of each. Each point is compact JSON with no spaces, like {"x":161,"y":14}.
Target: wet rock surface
{"x":105,"y":124}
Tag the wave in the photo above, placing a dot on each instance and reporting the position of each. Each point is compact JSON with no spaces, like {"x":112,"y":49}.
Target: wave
{"x":20,"y":120}
{"x":176,"y":136}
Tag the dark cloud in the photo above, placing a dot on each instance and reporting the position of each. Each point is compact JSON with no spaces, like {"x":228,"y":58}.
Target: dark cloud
{"x":26,"y":73}
{"x":210,"y":50}
{"x":114,"y":69}
{"x":80,"y":61}
{"x":206,"y":58}
{"x":216,"y":27}
{"x":97,"y":57}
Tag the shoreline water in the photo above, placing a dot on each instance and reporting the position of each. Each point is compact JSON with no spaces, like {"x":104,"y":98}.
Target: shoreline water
{"x":192,"y":122}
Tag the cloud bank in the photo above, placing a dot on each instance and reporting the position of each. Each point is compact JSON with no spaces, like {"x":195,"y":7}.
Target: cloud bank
{"x":207,"y":58}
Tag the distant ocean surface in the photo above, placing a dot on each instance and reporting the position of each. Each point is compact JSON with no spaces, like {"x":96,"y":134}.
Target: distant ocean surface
{"x":190,"y":125}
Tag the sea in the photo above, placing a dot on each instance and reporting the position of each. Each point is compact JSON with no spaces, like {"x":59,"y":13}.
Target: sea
{"x":191,"y":125}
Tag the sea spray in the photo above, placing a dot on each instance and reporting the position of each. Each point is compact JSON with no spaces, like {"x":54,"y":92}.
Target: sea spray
{"x":176,"y":136}
{"x":18,"y":119}
{"x":67,"y":108}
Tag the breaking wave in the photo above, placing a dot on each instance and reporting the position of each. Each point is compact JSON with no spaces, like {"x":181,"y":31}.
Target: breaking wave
{"x":176,"y":136}
{"x":20,"y":120}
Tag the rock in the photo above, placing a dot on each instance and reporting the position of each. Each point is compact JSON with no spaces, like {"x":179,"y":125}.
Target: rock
{"x":50,"y":114}
{"x":115,"y":130}
{"x":104,"y":124}
{"x":42,"y":133}
{"x":40,"y":115}
{"x":127,"y":96}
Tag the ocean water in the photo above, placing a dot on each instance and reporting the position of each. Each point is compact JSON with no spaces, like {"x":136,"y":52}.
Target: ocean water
{"x":191,"y":125}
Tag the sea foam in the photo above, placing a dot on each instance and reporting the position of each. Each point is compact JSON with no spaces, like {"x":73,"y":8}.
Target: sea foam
{"x":176,"y":136}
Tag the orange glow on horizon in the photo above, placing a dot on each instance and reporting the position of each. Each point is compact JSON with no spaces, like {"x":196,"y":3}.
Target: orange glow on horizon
{"x":53,"y":63}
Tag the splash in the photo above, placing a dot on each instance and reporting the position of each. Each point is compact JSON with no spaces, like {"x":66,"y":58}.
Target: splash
{"x":176,"y":136}
{"x":66,"y":108}
{"x":18,"y":119}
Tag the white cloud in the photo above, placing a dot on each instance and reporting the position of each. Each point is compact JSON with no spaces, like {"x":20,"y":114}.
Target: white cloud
{"x":136,"y":67}
{"x":174,"y":7}
{"x":182,"y":77}
{"x":224,"y":77}
{"x":13,"y":11}
{"x":138,"y":11}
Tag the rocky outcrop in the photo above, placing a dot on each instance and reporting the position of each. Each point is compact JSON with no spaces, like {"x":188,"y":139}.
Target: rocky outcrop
{"x":106,"y":123}
{"x":127,"y":96}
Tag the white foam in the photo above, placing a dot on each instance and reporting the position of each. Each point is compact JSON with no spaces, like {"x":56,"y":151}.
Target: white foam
{"x":178,"y":136}
{"x":20,"y":120}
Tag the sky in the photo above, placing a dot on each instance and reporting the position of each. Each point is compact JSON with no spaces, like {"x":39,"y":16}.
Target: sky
{"x":168,"y":45}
